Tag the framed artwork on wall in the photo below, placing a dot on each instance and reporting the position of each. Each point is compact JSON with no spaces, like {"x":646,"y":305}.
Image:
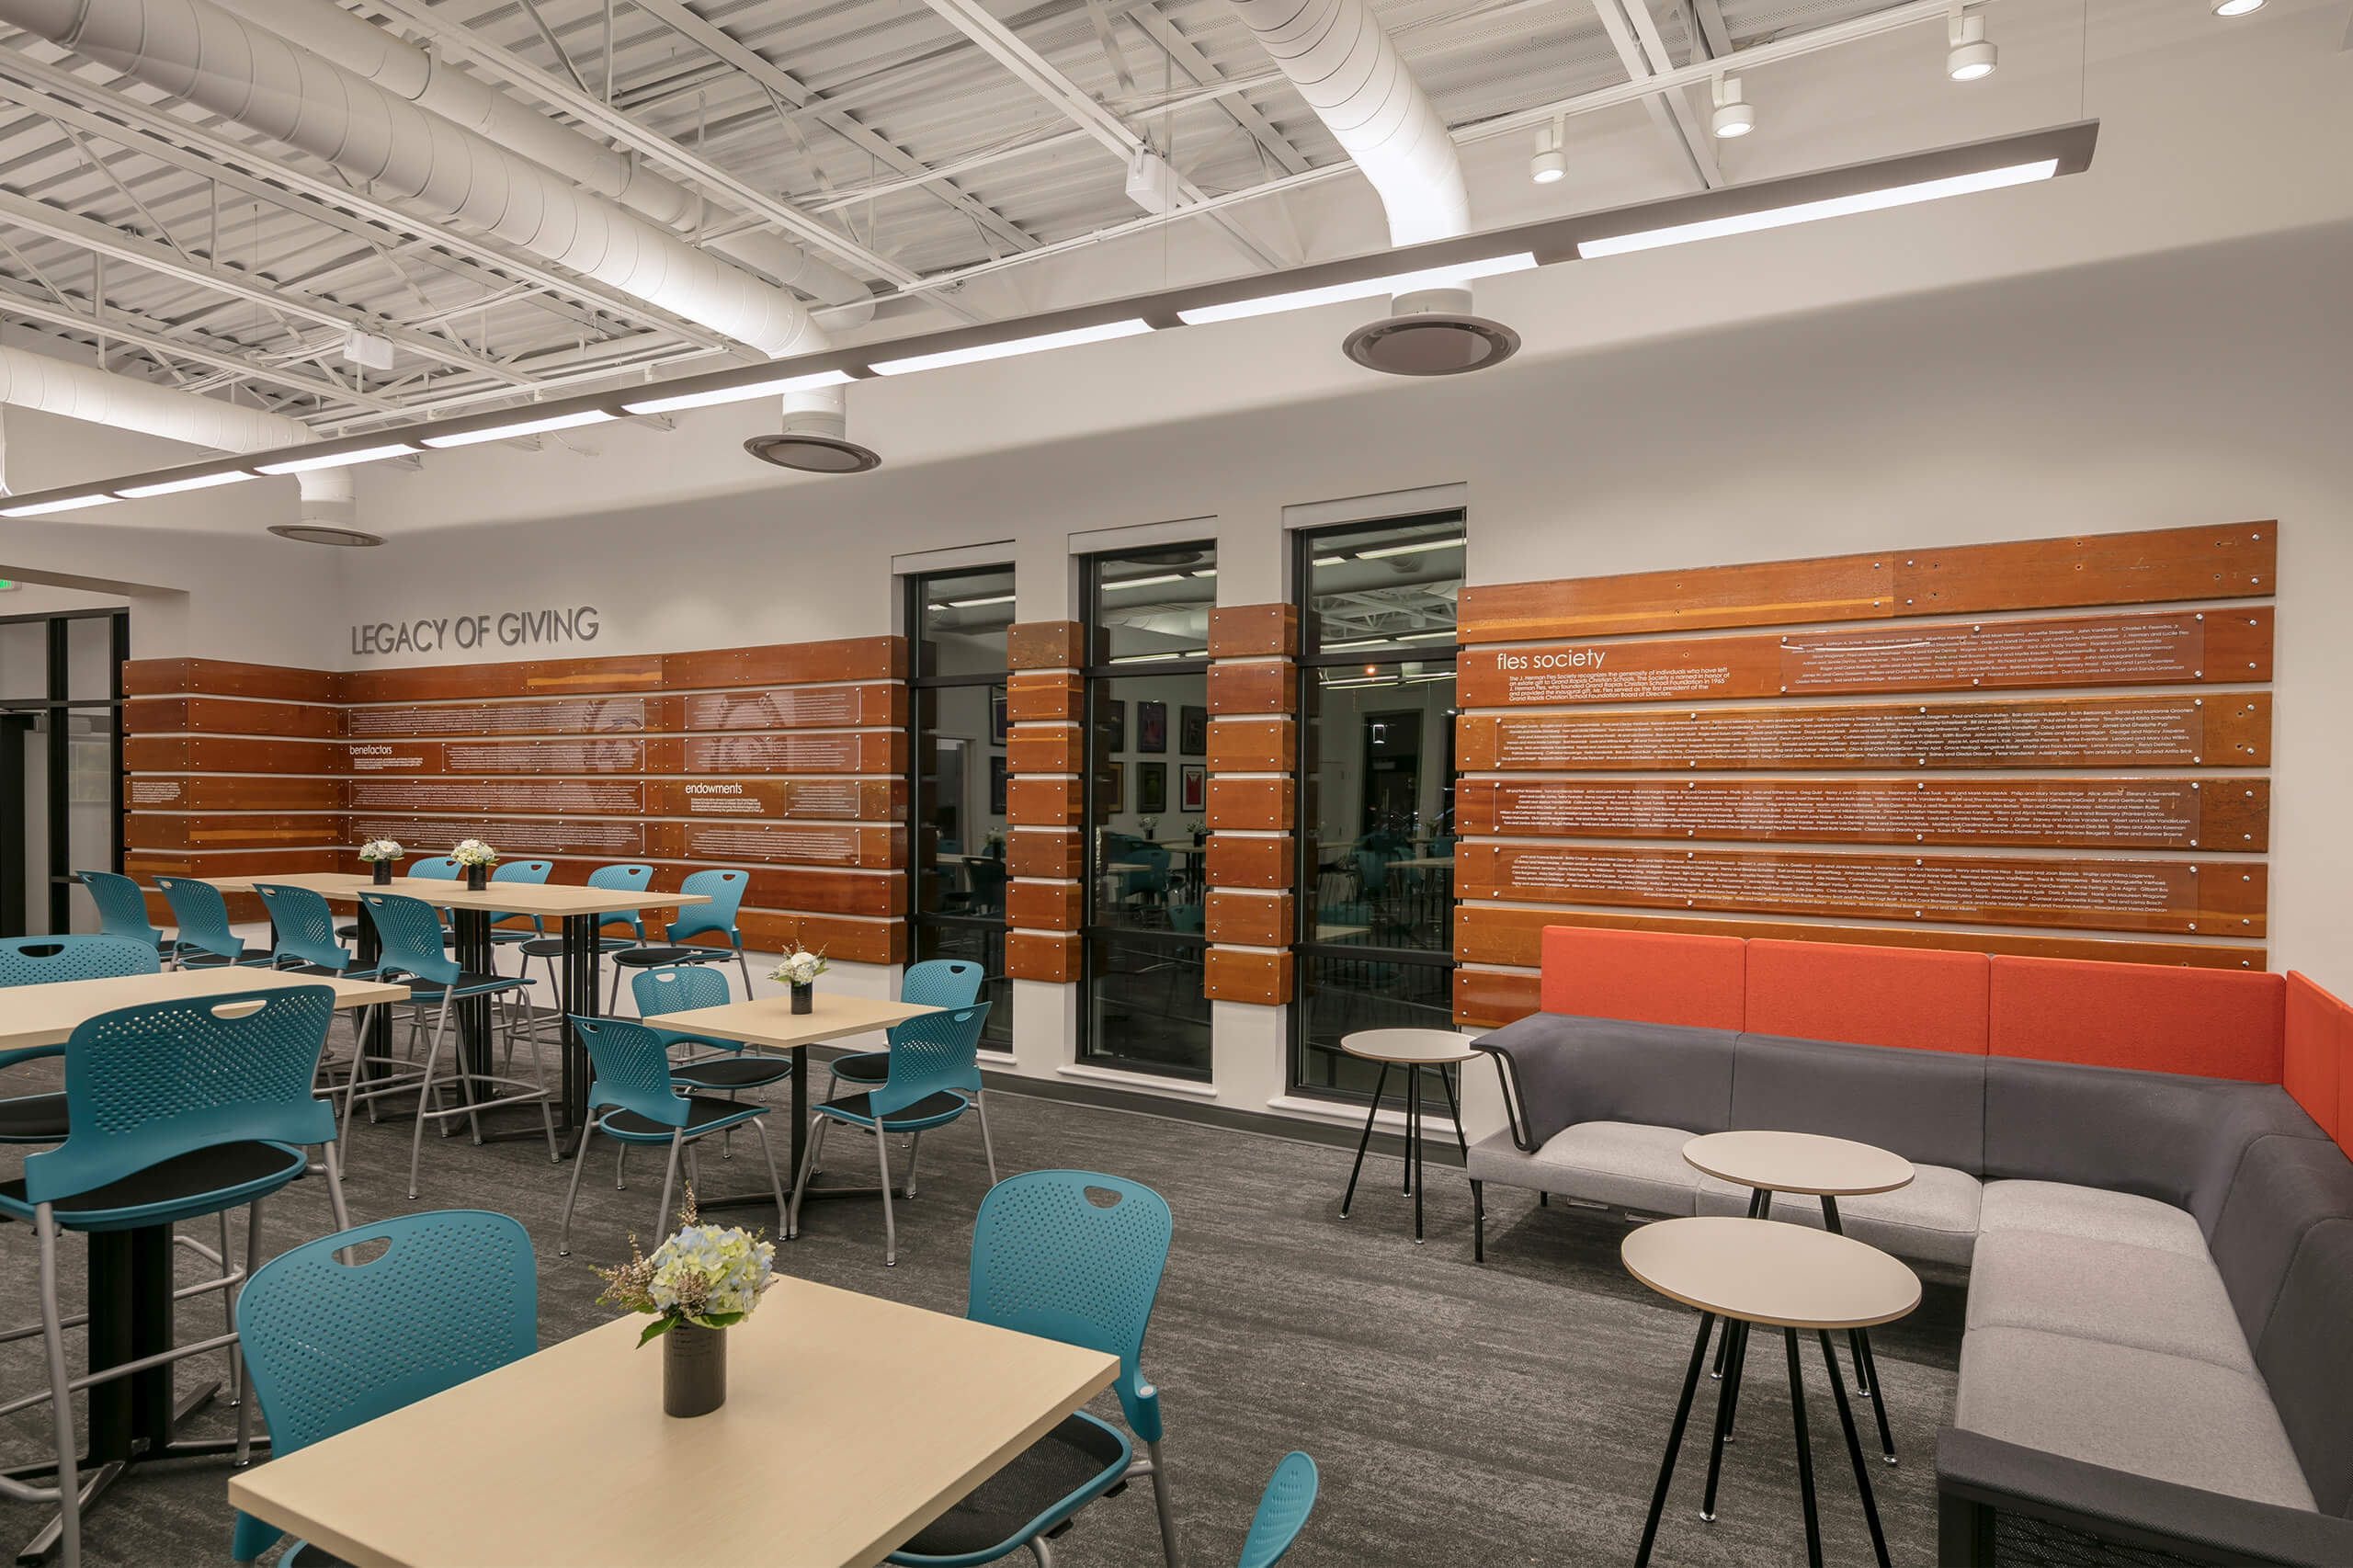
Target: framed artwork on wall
{"x":1152,"y":785}
{"x":996,"y":716}
{"x":1193,"y":779}
{"x":1152,"y":726}
{"x":996,"y":786}
{"x":1192,"y":732}
{"x":1111,"y":789}
{"x":1111,"y":726}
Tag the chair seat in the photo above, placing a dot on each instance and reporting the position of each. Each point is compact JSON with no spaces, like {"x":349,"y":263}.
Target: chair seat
{"x":322,"y":970}
{"x":191,"y":958}
{"x":202,"y":1181}
{"x":702,"y":1116}
{"x":552,"y":946}
{"x":862,"y":1067}
{"x":733,"y":1072}
{"x":932,"y":1110}
{"x":651,"y":957}
{"x":1071,"y":1465}
{"x":33,"y":1118}
{"x":471,"y":982}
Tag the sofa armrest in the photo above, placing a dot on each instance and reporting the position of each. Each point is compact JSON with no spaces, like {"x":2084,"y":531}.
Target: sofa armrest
{"x":1980,"y":1479}
{"x":1509,"y":1074}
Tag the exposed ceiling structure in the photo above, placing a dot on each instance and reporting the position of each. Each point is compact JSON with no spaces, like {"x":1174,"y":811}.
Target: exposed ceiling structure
{"x":902,"y":144}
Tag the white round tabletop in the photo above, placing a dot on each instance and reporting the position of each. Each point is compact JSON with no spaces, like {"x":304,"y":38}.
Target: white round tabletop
{"x":1764,"y":1271}
{"x":1410,"y":1048}
{"x":1798,"y":1162}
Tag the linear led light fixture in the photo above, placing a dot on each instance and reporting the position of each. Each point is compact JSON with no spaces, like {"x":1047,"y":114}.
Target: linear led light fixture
{"x":337,"y":460}
{"x":1814,"y":211}
{"x":59,"y":504}
{"x":1148,"y":658}
{"x":1363,"y":288}
{"x":175,"y":486}
{"x":1361,"y":643}
{"x":973,"y":604}
{"x":1101,"y":331}
{"x":1388,"y":550}
{"x":1145,"y":582}
{"x":1330,"y":560}
{"x":774,"y":387}
{"x":1425,"y":636}
{"x":520,"y":427}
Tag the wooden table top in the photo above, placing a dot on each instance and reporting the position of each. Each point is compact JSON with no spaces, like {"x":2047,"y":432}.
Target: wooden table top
{"x":1798,"y":1162}
{"x":552,"y":901}
{"x":1410,"y":1048}
{"x":1426,"y":862}
{"x":1765,"y":1271}
{"x":770,"y":1020}
{"x":45,"y":1015}
{"x":850,"y":1423}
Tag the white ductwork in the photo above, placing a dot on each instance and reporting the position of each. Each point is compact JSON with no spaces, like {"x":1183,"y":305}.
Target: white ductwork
{"x":101,"y":397}
{"x":400,"y":67}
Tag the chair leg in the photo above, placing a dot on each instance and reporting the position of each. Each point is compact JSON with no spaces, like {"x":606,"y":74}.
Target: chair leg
{"x":61,"y":1397}
{"x":571,"y":1196}
{"x":1039,"y":1550}
{"x":1165,"y":1504}
{"x":619,"y":1159}
{"x":800,"y":1180}
{"x":424,"y":1097}
{"x":988,"y":1145}
{"x":253,"y":1262}
{"x":914,"y":1147}
{"x":334,"y":1187}
{"x":229,"y":1320}
{"x":744,"y":964}
{"x":760,"y":1126}
{"x":669,"y":1184}
{"x":889,"y":1226}
{"x":539,"y":1072}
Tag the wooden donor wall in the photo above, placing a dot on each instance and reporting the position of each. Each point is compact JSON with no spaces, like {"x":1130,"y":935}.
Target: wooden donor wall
{"x":787,"y":761}
{"x":2054,"y":746}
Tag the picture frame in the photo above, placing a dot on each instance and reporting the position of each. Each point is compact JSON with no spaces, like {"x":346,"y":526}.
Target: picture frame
{"x":1192,"y":731}
{"x":1152,"y":726}
{"x":1152,"y":785}
{"x":1111,"y":726}
{"x":1111,"y":789}
{"x":997,"y":785}
{"x":996,"y":716}
{"x":1193,"y":782}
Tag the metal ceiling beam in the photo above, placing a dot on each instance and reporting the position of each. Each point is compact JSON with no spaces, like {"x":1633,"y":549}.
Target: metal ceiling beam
{"x":1194,"y":64}
{"x":1631,"y":33}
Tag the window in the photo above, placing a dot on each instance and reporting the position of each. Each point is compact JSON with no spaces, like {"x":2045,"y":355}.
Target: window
{"x":1375,"y":903}
{"x":1147,"y":747}
{"x":956,"y":805}
{"x":60,"y":765}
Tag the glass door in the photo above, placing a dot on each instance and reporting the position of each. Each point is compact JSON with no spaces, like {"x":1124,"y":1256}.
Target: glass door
{"x":61,"y":765}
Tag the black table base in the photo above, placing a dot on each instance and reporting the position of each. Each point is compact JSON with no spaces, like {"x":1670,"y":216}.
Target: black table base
{"x":801,"y":1121}
{"x":1413,"y":1181}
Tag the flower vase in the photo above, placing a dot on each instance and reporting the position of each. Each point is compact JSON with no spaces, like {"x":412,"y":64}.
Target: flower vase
{"x":477,"y":878}
{"x":693,"y":1369}
{"x":382,"y":870}
{"x":805,"y":997}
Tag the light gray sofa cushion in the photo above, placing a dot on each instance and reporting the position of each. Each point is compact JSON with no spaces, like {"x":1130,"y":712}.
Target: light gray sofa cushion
{"x":2170,"y":1417}
{"x":1934,"y":1219}
{"x":1622,"y":1164}
{"x":2108,"y":1292}
{"x":2063,"y":1209}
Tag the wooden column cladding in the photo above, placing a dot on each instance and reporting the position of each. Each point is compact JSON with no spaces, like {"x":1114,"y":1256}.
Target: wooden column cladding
{"x":2056,"y":747}
{"x":1042,"y":899}
{"x":1254,"y":745}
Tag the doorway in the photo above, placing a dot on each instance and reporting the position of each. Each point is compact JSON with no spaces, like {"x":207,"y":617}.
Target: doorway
{"x":61,"y":765}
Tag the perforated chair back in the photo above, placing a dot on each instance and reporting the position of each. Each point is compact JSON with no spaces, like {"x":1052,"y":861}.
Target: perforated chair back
{"x":202,"y":918}
{"x":146,"y":1085}
{"x":936,"y":1051}
{"x":725,"y":891}
{"x":531,"y":873}
{"x":942,"y":983}
{"x":410,"y":932}
{"x":633,"y":1067}
{"x":305,"y":925}
{"x":38,"y":960}
{"x":677,"y":987}
{"x":440,"y":868}
{"x":122,"y":907}
{"x":631,"y":878}
{"x":331,"y":1345}
{"x":1076,"y":1256}
{"x":988,"y":885}
{"x":1283,"y":1512}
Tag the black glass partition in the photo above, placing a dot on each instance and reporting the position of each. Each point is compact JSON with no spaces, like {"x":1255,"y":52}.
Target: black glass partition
{"x":956,"y":805}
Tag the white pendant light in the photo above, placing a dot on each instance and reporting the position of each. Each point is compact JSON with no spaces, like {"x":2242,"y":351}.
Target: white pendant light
{"x":2238,"y":7}
{"x":1971,"y":57}
{"x":1735,"y":115}
{"x":1550,"y":165}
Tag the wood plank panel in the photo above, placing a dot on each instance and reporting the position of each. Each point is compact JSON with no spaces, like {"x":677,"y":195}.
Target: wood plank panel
{"x":222,"y":678}
{"x":1254,"y":919}
{"x":1504,"y":935}
{"x":564,"y":758}
{"x":1239,"y":862}
{"x":829,"y":800}
{"x":2217,"y":898}
{"x":1049,"y":906}
{"x":788,"y":663}
{"x":1246,"y":974}
{"x":1047,"y":697}
{"x":1259,"y":803}
{"x":794,"y":707}
{"x":515,"y":837}
{"x":2237,"y":560}
{"x":1042,"y":748}
{"x":2134,"y":812}
{"x":1265,"y":686}
{"x":228,"y":754}
{"x":231,"y":716}
{"x":520,"y":677}
{"x":828,"y":893}
{"x":1043,"y":645}
{"x":1253,"y":745}
{"x":562,"y":716}
{"x":2231,"y":731}
{"x":851,"y":941}
{"x":800,"y":843}
{"x":149,"y":863}
{"x":1239,"y":631}
{"x":441,"y":796}
{"x":1038,"y":955}
{"x":831,"y":751}
{"x":1485,"y":999}
{"x":1046,"y":801}
{"x":1031,"y":853}
{"x":233,"y":792}
{"x":255,"y":830}
{"x":1772,"y":593}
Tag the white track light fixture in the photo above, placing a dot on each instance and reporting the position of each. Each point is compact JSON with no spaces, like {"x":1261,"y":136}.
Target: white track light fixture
{"x":1735,"y":115}
{"x":1550,"y":165}
{"x":2238,"y":7}
{"x":1971,"y":57}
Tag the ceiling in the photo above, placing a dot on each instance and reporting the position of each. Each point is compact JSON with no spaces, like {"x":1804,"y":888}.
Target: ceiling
{"x":163,"y":242}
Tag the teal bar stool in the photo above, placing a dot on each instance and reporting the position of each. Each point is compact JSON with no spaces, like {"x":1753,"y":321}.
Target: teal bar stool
{"x":529,"y":873}
{"x":725,"y":891}
{"x":934,"y":983}
{"x":1282,"y":1512}
{"x":439,"y":869}
{"x":332,"y":1343}
{"x":1075,"y":1256}
{"x":930,"y":1055}
{"x":42,"y":960}
{"x":122,"y":910}
{"x":205,"y":940}
{"x":307,"y":945}
{"x":632,"y":879}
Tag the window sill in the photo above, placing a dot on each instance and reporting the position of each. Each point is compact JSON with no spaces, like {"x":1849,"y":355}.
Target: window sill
{"x":1150,"y":1082}
{"x":1337,"y":1114}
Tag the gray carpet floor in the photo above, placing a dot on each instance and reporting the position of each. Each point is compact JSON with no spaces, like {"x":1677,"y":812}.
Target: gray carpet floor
{"x":1460,"y":1415}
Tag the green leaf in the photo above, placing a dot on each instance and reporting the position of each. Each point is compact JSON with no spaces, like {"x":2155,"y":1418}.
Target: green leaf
{"x":724,"y":1319}
{"x":657,"y":1328}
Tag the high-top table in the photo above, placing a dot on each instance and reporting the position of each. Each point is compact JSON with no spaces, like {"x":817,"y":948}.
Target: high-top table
{"x":1810,"y":1164}
{"x":581,"y":910}
{"x":134,"y":1419}
{"x":1416,"y":1051}
{"x":851,"y":1422}
{"x":1784,"y":1277}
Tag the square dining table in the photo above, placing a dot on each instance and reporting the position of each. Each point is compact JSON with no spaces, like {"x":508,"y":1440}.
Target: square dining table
{"x":851,"y":1422}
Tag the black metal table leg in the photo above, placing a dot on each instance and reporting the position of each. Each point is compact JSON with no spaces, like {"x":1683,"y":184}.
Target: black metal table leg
{"x":1854,"y":1450}
{"x":1858,"y":1341}
{"x":1805,"y":1450}
{"x":1414,"y":1151}
{"x":371,"y":1027}
{"x":578,"y":965}
{"x":1756,"y":1203}
{"x":1454,"y":1109}
{"x":1735,"y":1374}
{"x":1733,"y":1328}
{"x":1371,"y":1116}
{"x":1413,"y":1101}
{"x":1675,"y":1437}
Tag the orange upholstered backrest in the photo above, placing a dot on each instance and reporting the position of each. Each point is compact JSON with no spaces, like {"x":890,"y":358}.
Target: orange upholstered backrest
{"x":2319,"y":1033}
{"x":2208,"y":1022}
{"x":1648,"y":977}
{"x":1918,"y":998}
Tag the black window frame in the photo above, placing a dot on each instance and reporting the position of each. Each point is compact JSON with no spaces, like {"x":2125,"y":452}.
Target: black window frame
{"x":56,"y":704}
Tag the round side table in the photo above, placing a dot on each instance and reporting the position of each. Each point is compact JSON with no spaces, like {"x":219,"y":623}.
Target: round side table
{"x":1416,"y":1051}
{"x":1813,"y":1167}
{"x":1786,"y":1276}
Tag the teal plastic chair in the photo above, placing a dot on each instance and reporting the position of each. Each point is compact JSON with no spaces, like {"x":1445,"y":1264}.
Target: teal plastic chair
{"x":931,"y":1057}
{"x":331,"y":1345}
{"x":530,"y":873}
{"x":725,"y":891}
{"x":1152,"y":881}
{"x":178,"y":1109}
{"x":205,"y":940}
{"x":726,"y":1066}
{"x":439,"y":869}
{"x":1283,"y":1509}
{"x":632,"y":1075}
{"x":1076,"y":1256}
{"x":40,"y":961}
{"x":934,"y":983}
{"x":122,"y":910}
{"x":410,"y":933}
{"x":631,"y":879}
{"x":305,"y":927}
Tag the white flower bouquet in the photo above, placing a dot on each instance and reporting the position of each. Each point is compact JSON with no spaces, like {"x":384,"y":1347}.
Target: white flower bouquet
{"x":800,"y":967}
{"x":377,"y":849}
{"x":473,"y":852}
{"x":707,"y":1276}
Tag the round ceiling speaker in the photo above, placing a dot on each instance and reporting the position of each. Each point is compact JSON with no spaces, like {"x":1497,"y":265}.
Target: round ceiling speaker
{"x":1431,"y":342}
{"x":813,"y":454}
{"x":318,"y":533}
